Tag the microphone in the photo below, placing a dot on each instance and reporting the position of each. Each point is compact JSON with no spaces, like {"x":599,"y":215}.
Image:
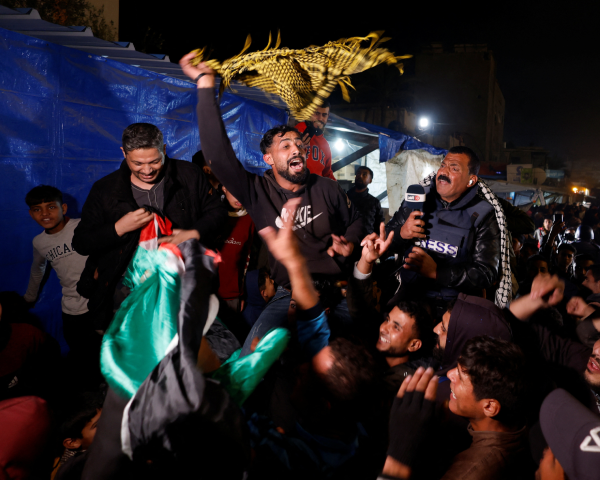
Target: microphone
{"x":415,"y":197}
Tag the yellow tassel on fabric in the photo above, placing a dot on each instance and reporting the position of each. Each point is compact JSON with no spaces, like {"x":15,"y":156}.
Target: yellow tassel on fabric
{"x":304,"y":78}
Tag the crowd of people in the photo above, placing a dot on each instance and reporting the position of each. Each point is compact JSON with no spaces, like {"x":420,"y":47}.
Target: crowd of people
{"x":459,"y":340}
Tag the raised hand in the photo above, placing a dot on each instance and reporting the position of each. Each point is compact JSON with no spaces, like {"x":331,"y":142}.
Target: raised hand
{"x":283,"y":244}
{"x":547,"y":289}
{"x":206,"y":81}
{"x":340,"y":246}
{"x":411,"y":418}
{"x":374,"y":246}
{"x":579,"y":308}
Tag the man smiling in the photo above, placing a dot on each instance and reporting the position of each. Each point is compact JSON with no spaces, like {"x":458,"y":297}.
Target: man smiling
{"x":454,"y":244}
{"x":113,"y":214}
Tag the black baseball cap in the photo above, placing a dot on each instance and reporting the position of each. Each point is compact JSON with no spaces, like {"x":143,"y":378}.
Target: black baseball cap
{"x":573,"y":434}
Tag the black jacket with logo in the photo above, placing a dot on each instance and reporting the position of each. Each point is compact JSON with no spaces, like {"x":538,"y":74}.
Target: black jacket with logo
{"x":325,"y":208}
{"x":189,"y":203}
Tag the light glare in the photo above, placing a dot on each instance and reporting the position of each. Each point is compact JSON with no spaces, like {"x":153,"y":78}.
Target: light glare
{"x":423,"y":122}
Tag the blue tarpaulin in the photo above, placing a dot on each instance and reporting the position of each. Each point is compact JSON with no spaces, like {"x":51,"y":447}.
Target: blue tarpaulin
{"x":391,"y":142}
{"x":62,"y":114}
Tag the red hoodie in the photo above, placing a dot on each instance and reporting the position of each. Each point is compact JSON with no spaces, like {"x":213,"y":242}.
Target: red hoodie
{"x":318,"y":159}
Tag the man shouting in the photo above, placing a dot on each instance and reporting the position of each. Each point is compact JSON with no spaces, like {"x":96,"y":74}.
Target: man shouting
{"x":326,"y":224}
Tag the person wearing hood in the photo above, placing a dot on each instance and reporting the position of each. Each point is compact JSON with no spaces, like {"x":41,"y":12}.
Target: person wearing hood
{"x":466,"y":318}
{"x":326,"y":223}
{"x":453,"y":246}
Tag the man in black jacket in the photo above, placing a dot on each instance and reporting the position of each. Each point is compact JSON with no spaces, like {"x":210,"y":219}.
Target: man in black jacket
{"x":112,"y":216}
{"x":366,"y":204}
{"x":326,"y":223}
{"x":454,"y":245}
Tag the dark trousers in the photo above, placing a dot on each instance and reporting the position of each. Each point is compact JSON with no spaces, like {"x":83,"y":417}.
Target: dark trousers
{"x":84,"y":349}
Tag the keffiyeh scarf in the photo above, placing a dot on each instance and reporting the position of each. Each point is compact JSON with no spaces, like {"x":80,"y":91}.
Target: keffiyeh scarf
{"x":303,"y":78}
{"x":504,"y":291}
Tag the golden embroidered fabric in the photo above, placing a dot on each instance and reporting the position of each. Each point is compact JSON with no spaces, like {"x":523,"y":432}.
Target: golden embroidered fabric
{"x":304,"y":78}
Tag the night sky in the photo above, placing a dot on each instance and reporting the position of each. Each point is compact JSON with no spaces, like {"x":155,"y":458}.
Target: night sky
{"x":547,"y":60}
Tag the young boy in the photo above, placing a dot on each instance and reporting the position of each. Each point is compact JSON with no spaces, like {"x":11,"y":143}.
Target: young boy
{"x":76,"y":434}
{"x":54,"y":245}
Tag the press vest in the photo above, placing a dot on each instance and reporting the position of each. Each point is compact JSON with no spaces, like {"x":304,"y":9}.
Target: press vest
{"x":451,"y":230}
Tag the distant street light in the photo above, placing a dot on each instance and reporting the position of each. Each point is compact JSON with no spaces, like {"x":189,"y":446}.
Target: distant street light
{"x":339,"y":145}
{"x":423,"y":123}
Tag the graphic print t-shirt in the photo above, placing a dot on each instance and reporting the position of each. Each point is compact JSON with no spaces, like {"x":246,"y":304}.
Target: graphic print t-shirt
{"x":68,"y":264}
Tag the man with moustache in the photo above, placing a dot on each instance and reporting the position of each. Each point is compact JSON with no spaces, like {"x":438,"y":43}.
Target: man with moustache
{"x":326,"y":223}
{"x":453,"y":246}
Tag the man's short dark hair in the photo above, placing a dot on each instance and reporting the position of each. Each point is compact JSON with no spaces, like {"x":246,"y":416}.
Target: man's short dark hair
{"x":325,"y":104}
{"x":43,"y":194}
{"x":595,"y":269}
{"x":142,"y":135}
{"x":535,"y":258}
{"x":497,"y":370}
{"x":567,"y":246}
{"x":363,"y":167}
{"x":584,"y":257}
{"x":422,"y":321}
{"x":77,"y":413}
{"x":263,"y":275}
{"x":352,"y":372}
{"x":520,"y":238}
{"x":549,"y":217}
{"x":198,"y":159}
{"x":474,"y":162}
{"x":278,"y":131}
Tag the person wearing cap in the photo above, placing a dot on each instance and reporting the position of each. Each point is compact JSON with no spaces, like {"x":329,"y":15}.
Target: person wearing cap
{"x":557,"y":354}
{"x":572,"y":436}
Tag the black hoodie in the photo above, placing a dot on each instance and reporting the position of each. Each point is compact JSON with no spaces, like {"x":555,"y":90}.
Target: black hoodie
{"x":325,"y":208}
{"x":471,"y":317}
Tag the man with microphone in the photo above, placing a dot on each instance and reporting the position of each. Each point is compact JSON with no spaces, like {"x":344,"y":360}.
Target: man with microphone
{"x":450,"y":240}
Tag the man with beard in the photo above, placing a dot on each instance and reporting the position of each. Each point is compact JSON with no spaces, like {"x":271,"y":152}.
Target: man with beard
{"x":326,"y":223}
{"x":318,"y":158}
{"x":453,"y":246}
{"x":367,"y":205}
{"x":573,"y":366}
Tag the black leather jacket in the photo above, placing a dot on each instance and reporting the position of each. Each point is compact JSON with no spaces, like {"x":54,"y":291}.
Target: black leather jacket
{"x":482,"y":268}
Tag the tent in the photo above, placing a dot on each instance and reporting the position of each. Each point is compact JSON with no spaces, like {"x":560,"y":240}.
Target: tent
{"x":63,"y":112}
{"x":65,"y":98}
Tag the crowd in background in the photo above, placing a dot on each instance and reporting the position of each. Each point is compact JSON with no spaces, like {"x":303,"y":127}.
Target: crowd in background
{"x":459,"y":340}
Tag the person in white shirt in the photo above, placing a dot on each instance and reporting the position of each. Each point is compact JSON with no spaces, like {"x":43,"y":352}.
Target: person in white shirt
{"x":54,"y":246}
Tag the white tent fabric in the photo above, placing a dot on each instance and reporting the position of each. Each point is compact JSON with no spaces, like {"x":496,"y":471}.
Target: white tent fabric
{"x":408,"y":168}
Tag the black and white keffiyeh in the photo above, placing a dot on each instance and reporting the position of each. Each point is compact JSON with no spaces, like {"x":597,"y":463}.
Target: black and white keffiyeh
{"x":504,"y":291}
